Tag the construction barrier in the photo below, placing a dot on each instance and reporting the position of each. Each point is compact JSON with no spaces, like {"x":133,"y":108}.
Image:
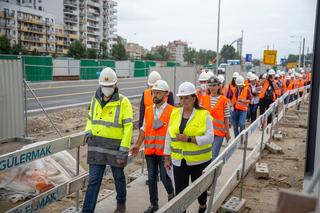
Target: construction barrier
{"x":187,"y":196}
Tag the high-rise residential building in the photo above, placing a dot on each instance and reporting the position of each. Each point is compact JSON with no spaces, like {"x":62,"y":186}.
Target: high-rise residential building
{"x":32,"y":30}
{"x":176,"y":50}
{"x":134,"y":50}
{"x":90,"y":21}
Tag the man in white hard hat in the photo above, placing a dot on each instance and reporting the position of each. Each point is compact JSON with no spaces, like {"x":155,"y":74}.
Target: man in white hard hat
{"x":269,"y":93}
{"x":108,"y":136}
{"x":147,"y":100}
{"x":240,"y":100}
{"x":246,"y":82}
{"x":153,"y":133}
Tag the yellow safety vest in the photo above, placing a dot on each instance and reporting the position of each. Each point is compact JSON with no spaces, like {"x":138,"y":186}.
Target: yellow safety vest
{"x":192,"y":153}
{"x":111,"y":128}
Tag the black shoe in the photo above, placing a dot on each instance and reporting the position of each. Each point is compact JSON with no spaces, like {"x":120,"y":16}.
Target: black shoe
{"x":170,"y":196}
{"x":202,"y":210}
{"x":151,"y":209}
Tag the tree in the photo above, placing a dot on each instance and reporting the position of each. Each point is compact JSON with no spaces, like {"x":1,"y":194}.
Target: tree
{"x":293,"y":58}
{"x":17,"y":50}
{"x":104,"y":49}
{"x":77,"y":50}
{"x":35,"y":52}
{"x":162,"y":54}
{"x":149,"y":56}
{"x":190,"y":55}
{"x":5,"y":46}
{"x":118,"y":51}
{"x":92,"y":53}
{"x":228,"y":52}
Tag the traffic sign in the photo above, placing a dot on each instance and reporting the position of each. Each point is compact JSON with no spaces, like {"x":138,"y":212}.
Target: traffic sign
{"x":248,"y":57}
{"x":270,"y":57}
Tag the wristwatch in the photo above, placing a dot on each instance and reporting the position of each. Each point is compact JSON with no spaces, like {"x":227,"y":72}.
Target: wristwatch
{"x":189,"y":139}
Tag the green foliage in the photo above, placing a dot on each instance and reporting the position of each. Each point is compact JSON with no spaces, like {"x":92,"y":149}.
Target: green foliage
{"x":5,"y":47}
{"x":77,"y":50}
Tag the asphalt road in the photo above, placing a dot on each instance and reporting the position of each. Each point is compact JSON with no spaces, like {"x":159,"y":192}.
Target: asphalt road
{"x":57,"y":95}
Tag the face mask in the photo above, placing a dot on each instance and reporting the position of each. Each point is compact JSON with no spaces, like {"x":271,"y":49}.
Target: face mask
{"x":156,"y":100}
{"x":107,"y":91}
{"x":203,"y":86}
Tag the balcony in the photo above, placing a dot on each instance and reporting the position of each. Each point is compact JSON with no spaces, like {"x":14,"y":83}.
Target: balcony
{"x":70,"y":3}
{"x":6,"y":15}
{"x":93,"y":25}
{"x":72,"y":20}
{"x":60,"y":34}
{"x":113,"y":17}
{"x":92,"y":39}
{"x":92,"y":32}
{"x":70,"y":12}
{"x":32,"y":30}
{"x":113,"y":30}
{"x":113,"y":3}
{"x":59,"y":42}
{"x":93,"y":3}
{"x":112,"y":36}
{"x":113,"y":23}
{"x":73,"y":36}
{"x":93,"y":18}
{"x":113,"y":10}
{"x":51,"y":40}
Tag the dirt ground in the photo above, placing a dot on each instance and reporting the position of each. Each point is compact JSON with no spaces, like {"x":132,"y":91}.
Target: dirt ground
{"x":286,"y":170}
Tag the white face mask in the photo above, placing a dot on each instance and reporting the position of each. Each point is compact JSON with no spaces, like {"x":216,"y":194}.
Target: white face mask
{"x":203,"y":86}
{"x":107,"y":91}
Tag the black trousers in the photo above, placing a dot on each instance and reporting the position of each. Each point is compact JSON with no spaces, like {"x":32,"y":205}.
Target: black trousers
{"x":264,"y":105}
{"x":181,"y":177}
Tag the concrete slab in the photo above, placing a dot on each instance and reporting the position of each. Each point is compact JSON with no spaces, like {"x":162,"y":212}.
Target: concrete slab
{"x":233,"y":205}
{"x":274,"y":148}
{"x":262,"y":170}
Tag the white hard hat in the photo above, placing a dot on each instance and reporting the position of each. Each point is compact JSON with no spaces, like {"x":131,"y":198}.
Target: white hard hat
{"x":210,"y":74}
{"x":160,"y":85}
{"x":277,"y":75}
{"x":264,"y":75}
{"x":239,"y":80}
{"x":203,"y":76}
{"x":153,"y":77}
{"x":292,"y":75}
{"x":283,"y":73}
{"x":253,"y":77}
{"x":221,"y":78}
{"x":296,"y":74}
{"x":235,"y":74}
{"x":287,"y":77}
{"x":289,"y":71}
{"x":186,"y":88}
{"x":107,"y":77}
{"x":279,"y":72}
{"x":302,"y":71}
{"x":271,"y":72}
{"x":248,"y":75}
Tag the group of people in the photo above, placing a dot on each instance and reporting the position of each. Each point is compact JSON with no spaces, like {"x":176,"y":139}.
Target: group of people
{"x":184,"y":137}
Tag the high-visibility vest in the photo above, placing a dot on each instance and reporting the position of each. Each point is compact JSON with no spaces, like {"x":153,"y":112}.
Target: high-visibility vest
{"x":111,"y":128}
{"x":148,"y":100}
{"x":155,"y":138}
{"x":288,"y":87}
{"x":266,"y":85}
{"x":300,"y":83}
{"x":217,"y":112}
{"x":243,"y":96}
{"x":224,"y":90}
{"x":192,"y":153}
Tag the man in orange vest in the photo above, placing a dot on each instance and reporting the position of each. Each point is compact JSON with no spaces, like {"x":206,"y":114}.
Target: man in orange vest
{"x":287,"y":85}
{"x":269,"y":93}
{"x":146,"y":99}
{"x":240,"y":99}
{"x":153,"y":133}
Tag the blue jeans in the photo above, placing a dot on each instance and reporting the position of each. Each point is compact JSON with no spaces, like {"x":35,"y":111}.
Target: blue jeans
{"x":95,"y":177}
{"x":216,"y":146}
{"x":155,"y":162}
{"x":238,"y":121}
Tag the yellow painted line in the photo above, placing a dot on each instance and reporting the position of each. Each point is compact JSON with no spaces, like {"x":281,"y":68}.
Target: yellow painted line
{"x":62,"y":95}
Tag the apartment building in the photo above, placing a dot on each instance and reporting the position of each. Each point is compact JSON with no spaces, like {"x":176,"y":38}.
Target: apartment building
{"x":90,"y":21}
{"x":176,"y":50}
{"x":29,"y":29}
{"x":135,"y":51}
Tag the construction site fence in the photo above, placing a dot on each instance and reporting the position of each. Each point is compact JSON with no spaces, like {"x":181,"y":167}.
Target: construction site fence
{"x":186,"y":197}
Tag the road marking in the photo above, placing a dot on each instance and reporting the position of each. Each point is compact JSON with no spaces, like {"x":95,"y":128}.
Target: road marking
{"x":72,"y":105}
{"x":78,"y":93}
{"x":83,"y":85}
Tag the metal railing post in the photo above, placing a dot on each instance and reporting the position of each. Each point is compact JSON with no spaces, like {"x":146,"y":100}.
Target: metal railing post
{"x":262,"y":135}
{"x":272,"y":123}
{"x":244,"y":138}
{"x":77,"y":172}
{"x":213,"y":187}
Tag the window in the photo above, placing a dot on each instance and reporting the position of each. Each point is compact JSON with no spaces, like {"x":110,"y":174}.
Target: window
{"x":39,"y":1}
{"x":40,"y":8}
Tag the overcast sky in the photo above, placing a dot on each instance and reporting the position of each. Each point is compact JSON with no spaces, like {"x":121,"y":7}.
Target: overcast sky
{"x":265,"y":22}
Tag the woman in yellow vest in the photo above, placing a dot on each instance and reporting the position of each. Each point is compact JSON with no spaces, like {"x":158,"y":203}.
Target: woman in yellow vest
{"x":188,"y":141}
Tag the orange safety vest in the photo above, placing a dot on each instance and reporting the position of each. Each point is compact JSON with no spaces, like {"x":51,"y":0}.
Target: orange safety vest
{"x":289,"y":87}
{"x":224,"y":90}
{"x":155,"y":138}
{"x":217,"y":113}
{"x":308,"y":77}
{"x":300,"y":83}
{"x":243,"y":96}
{"x":148,"y":100}
{"x":264,"y":89}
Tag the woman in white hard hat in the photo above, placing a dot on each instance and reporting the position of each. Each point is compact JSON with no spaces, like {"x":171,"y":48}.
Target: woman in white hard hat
{"x":188,"y":141}
{"x":255,"y":89}
{"x":203,"y":89}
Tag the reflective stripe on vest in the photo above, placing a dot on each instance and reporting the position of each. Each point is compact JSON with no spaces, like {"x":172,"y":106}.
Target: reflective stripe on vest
{"x":191,"y":153}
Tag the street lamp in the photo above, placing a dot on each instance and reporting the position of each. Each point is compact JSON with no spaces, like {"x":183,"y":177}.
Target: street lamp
{"x":218,"y":34}
{"x":300,"y":44}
